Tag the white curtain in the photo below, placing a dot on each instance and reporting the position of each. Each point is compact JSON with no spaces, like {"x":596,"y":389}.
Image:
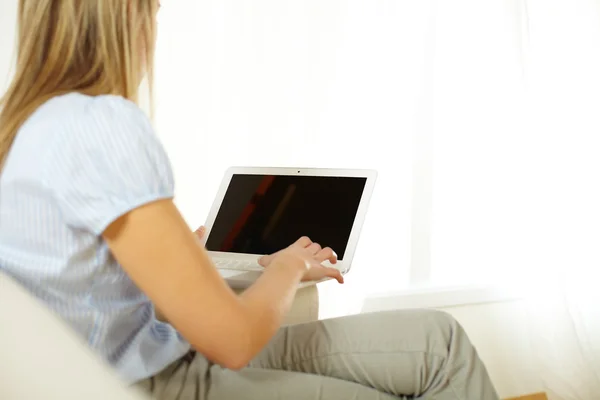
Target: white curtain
{"x":564,"y":195}
{"x":516,"y":171}
{"x":477,"y":154}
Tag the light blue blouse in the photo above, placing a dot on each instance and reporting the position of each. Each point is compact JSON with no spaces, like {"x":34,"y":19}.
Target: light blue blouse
{"x":77,"y":164}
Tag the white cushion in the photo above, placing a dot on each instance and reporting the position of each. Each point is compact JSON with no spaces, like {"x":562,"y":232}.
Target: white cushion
{"x":41,"y":358}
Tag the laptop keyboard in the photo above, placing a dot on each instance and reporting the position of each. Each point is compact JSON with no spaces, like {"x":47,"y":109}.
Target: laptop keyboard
{"x":237,"y":265}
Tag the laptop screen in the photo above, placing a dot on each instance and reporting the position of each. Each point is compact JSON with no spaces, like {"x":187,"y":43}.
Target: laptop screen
{"x":262,"y":214}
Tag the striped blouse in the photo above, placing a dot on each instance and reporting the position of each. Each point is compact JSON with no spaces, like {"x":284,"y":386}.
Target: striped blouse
{"x":77,"y":164}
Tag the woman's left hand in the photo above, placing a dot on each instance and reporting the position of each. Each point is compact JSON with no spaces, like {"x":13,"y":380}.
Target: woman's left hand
{"x":200,"y":232}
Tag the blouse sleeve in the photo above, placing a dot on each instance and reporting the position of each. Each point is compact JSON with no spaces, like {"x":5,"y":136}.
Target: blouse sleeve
{"x":107,"y":162}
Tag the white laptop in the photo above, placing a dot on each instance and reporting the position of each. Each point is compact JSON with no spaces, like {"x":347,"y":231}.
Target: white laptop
{"x":260,"y":211}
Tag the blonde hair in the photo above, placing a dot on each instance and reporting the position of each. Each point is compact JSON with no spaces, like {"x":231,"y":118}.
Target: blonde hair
{"x":92,"y":47}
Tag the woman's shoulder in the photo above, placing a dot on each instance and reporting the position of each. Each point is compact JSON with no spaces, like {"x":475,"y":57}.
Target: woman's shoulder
{"x":104,"y":158}
{"x":79,"y":133}
{"x":76,"y":117}
{"x":81,"y":107}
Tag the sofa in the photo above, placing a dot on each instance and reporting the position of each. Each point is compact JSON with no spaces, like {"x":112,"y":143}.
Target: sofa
{"x":41,"y":358}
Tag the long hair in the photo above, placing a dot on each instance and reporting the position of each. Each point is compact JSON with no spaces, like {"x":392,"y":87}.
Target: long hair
{"x":92,"y":47}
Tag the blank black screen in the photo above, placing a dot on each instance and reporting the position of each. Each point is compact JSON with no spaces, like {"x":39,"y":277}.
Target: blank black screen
{"x":262,"y":214}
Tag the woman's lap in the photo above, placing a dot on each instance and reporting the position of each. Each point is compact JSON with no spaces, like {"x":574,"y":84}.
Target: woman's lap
{"x":265,"y":384}
{"x":368,"y":356}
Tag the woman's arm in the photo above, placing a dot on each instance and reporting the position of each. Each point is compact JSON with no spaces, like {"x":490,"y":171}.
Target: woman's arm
{"x":156,"y":248}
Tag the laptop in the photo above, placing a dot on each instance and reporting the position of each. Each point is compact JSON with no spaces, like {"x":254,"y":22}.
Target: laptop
{"x":260,"y":211}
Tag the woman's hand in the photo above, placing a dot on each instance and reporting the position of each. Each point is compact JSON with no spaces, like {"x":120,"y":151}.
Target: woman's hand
{"x":305,"y":250}
{"x":200,"y":232}
{"x":312,"y":255}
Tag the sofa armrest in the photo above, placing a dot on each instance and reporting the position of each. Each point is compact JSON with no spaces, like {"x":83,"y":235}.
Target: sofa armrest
{"x":42,"y":358}
{"x":305,"y":307}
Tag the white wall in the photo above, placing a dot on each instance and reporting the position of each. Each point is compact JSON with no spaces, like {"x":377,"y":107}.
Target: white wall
{"x":8,"y":12}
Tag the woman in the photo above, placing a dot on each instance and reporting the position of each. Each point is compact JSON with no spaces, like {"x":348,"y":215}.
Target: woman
{"x":88,"y":225}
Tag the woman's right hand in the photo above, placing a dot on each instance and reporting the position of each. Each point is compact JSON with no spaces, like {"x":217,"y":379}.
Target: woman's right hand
{"x":309,"y":255}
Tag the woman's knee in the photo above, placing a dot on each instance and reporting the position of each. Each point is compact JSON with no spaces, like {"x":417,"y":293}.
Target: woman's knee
{"x":443,"y":327}
{"x":443,"y":319}
{"x":426,"y":318}
{"x":451,"y":331}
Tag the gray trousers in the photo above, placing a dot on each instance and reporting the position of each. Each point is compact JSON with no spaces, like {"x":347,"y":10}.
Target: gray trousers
{"x":421,"y":354}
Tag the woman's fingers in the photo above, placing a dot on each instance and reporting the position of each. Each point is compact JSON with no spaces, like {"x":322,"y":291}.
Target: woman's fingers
{"x":335,"y":274}
{"x":200,"y":232}
{"x":320,"y":254}
{"x":264,"y":261}
{"x":314,"y":248}
{"x":326,"y":254}
{"x":318,"y":272}
{"x":304,"y":241}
